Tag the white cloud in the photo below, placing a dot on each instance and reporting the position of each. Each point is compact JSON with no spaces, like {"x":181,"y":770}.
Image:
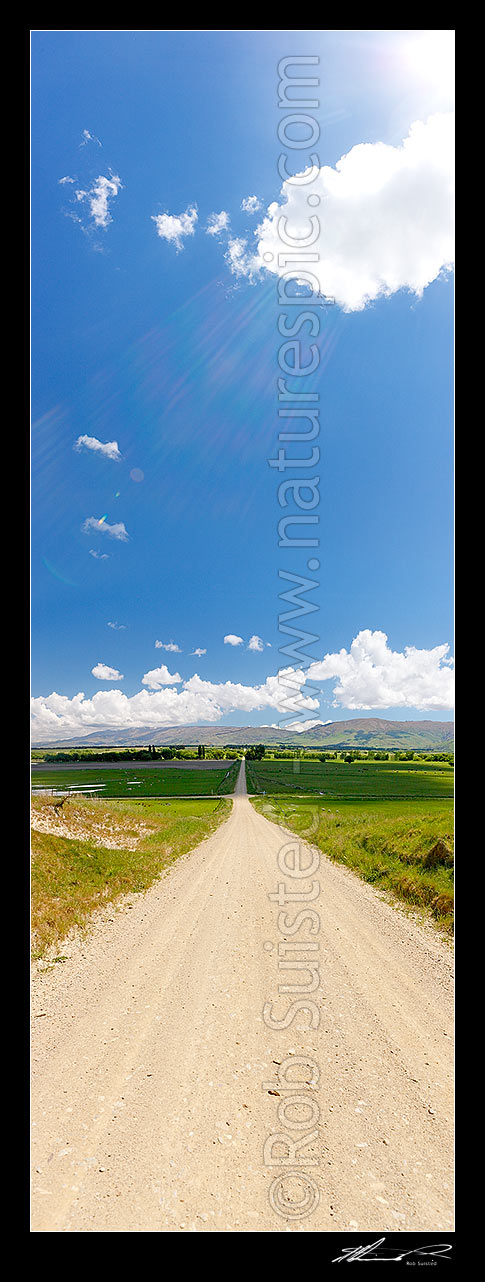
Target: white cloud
{"x":101,"y":526}
{"x":175,"y":227}
{"x":99,"y":556}
{"x":96,"y":197}
{"x":255,"y":643}
{"x":283,"y":692}
{"x":242,"y":261}
{"x":103,"y":673}
{"x":57,"y":716}
{"x":169,"y":645}
{"x":198,"y":652}
{"x":108,"y":448}
{"x":383,"y":218}
{"x":251,"y":204}
{"x":216,"y":223}
{"x":102,"y":191}
{"x":231,"y":639}
{"x":301,"y":726}
{"x":160,"y":677}
{"x":87,"y":137}
{"x":370,"y":675}
{"x":119,"y":627}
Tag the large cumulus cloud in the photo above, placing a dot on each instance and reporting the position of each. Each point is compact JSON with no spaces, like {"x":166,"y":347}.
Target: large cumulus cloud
{"x":385,"y":218}
{"x":371,"y":675}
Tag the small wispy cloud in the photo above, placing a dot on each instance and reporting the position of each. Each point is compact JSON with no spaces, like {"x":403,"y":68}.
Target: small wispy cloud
{"x":251,"y":204}
{"x":108,"y":448}
{"x":88,"y":137}
{"x":241,"y":261}
{"x":97,"y":200}
{"x":199,"y":652}
{"x":91,"y":200}
{"x":176,"y":227}
{"x":119,"y":627}
{"x":232,"y":639}
{"x":101,"y":526}
{"x":168,"y":645}
{"x":217,"y":223}
{"x":99,"y":556}
{"x":103,"y":673}
{"x":98,"y":197}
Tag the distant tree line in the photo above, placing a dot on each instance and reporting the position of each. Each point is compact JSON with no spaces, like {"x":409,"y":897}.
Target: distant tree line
{"x":150,"y":753}
{"x":254,"y":752}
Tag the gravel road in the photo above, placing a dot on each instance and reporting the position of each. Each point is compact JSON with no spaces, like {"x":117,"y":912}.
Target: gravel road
{"x":189,"y":1077}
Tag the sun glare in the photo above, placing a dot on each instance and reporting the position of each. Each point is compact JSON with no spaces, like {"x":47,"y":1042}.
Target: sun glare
{"x":431,"y":56}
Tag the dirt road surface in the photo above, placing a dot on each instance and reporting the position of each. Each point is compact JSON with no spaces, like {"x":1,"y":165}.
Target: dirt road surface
{"x":162,"y":1072}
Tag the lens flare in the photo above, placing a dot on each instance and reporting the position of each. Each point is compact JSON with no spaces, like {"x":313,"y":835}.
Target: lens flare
{"x":57,"y":574}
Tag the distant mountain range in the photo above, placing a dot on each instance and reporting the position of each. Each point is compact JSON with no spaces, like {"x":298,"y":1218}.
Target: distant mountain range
{"x":360,"y":732}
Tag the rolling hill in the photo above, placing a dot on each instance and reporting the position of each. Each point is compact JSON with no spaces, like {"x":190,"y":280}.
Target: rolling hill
{"x":359,"y":732}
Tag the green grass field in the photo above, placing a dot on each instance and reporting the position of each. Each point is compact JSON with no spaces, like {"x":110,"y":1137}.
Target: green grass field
{"x":391,"y":822}
{"x":137,"y":781}
{"x":105,"y":851}
{"x":359,"y":780}
{"x":403,"y":847}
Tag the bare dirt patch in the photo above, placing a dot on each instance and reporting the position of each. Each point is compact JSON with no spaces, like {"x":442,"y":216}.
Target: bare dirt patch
{"x":73,"y":821}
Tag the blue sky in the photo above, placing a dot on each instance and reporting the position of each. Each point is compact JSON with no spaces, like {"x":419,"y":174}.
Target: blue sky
{"x":162,"y":338}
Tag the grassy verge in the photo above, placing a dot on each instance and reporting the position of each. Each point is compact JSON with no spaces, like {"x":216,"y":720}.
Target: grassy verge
{"x":86,"y":853}
{"x":403,"y":848}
